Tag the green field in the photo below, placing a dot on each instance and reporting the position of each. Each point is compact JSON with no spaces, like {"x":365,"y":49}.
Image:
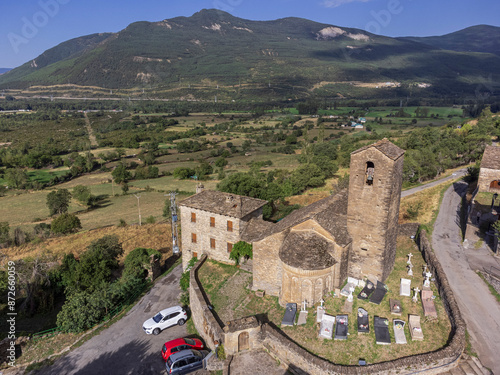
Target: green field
{"x":441,"y":111}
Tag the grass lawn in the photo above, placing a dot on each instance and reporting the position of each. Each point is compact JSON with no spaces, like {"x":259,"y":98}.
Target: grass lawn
{"x":228,"y":289}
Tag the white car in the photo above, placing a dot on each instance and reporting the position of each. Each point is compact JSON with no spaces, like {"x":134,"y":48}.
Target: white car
{"x":164,"y":319}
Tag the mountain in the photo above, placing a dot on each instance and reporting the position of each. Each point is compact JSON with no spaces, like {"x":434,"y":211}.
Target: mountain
{"x":289,"y":57}
{"x":480,"y":38}
{"x":4,"y":70}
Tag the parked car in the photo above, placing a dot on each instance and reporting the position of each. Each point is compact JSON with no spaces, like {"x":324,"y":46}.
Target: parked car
{"x":164,"y":319}
{"x":185,"y":361}
{"x":177,"y":345}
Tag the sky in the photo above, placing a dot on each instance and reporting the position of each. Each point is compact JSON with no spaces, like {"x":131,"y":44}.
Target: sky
{"x":29,"y":27}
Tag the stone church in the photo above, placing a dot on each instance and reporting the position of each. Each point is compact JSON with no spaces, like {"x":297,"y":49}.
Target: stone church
{"x":314,"y":249}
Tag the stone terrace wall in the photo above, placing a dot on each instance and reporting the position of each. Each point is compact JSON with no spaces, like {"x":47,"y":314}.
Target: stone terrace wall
{"x":203,"y":317}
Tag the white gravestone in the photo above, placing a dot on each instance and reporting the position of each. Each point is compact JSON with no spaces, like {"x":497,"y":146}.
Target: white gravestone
{"x":409,"y":258}
{"x":415,"y":297}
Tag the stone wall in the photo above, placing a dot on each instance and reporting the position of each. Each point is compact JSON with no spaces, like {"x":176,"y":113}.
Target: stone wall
{"x":235,"y":332}
{"x":493,"y":280}
{"x":203,"y":317}
{"x":372,"y":213}
{"x":301,"y":362}
{"x":267,"y":266}
{"x":205,"y":232}
{"x":486,"y":176}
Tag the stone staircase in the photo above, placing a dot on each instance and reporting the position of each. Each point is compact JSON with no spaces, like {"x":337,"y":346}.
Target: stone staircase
{"x":469,"y":366}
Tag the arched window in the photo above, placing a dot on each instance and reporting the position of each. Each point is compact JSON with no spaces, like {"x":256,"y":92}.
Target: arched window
{"x":370,"y":172}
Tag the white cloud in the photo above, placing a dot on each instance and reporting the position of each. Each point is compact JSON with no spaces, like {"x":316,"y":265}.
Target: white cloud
{"x":337,"y":3}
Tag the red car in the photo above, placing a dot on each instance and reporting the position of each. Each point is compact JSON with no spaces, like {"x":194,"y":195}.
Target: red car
{"x":177,"y":345}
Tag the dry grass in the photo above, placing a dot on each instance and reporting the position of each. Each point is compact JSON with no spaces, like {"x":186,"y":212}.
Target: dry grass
{"x":428,"y":200}
{"x":155,"y":236}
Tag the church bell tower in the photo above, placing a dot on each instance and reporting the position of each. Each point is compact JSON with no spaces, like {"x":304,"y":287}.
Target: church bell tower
{"x":376,"y":173}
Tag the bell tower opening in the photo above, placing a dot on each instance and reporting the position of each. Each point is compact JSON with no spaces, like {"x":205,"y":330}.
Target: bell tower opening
{"x":370,"y":171}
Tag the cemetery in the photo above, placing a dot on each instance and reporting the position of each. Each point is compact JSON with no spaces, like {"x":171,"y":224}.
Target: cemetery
{"x":372,"y":322}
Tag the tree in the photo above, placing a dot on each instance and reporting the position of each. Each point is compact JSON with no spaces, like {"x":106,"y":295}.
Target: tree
{"x":16,"y":178}
{"x":125,"y":188}
{"x":183,"y":173}
{"x":241,"y":249}
{"x":221,"y":162}
{"x":203,"y":170}
{"x":58,"y":201}
{"x":65,"y":223}
{"x":137,"y":262}
{"x":121,"y":174}
{"x":81,"y":193}
{"x":94,"y":268}
{"x":83,"y":310}
{"x":33,"y":277}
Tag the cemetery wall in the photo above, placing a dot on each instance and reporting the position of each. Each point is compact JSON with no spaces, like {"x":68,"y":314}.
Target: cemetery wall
{"x":203,"y":317}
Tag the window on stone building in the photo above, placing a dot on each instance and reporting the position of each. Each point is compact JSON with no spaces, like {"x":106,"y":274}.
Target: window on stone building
{"x":193,"y":217}
{"x":212,"y":243}
{"x":193,"y":237}
{"x":229,"y":226}
{"x":370,"y":171}
{"x":195,"y":254}
{"x":229,"y":247}
{"x":212,"y":222}
{"x":364,"y":249}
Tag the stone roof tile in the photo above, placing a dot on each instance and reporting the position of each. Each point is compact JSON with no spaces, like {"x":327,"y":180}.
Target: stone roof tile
{"x":232,"y":205}
{"x":307,"y":250}
{"x":386,"y":147}
{"x":491,"y":157}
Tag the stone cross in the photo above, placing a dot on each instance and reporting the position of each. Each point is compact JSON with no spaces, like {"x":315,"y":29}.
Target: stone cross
{"x":304,"y":305}
{"x":322,"y":302}
{"x":415,"y":297}
{"x":409,"y":258}
{"x":410,"y":271}
{"x":349,"y":297}
{"x":427,"y":281}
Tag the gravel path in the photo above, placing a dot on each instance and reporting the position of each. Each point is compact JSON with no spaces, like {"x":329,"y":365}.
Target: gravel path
{"x":479,"y":308}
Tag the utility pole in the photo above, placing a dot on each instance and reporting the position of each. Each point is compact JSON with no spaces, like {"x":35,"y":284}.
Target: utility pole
{"x":139,"y":208}
{"x":175,"y":231}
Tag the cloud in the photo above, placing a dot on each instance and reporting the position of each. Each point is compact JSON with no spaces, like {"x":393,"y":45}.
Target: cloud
{"x":337,"y":3}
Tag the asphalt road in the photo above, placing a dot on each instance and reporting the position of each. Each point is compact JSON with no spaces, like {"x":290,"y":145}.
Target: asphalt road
{"x":479,"y":308}
{"x":457,"y":174}
{"x":124,"y":348}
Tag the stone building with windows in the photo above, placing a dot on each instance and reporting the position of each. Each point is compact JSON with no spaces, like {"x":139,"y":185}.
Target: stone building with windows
{"x":489,"y":172}
{"x":313,"y":250}
{"x":213,"y":221}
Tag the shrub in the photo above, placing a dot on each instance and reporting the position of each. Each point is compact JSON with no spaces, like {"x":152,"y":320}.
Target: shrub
{"x":137,"y":261}
{"x":65,"y":223}
{"x":122,"y":223}
{"x":150,"y":220}
{"x":241,"y":249}
{"x":184,"y":280}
